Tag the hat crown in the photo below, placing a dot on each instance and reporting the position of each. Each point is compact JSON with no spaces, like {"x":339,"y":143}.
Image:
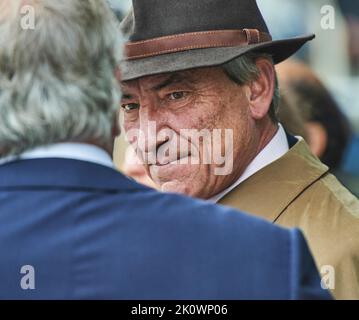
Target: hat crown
{"x":158,"y":18}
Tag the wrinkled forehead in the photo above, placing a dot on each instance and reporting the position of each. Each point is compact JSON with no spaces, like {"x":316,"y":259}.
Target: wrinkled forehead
{"x":157,"y":82}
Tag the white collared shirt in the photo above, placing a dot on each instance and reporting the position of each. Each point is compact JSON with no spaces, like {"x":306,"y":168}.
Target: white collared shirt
{"x":75,"y":151}
{"x":274,"y":150}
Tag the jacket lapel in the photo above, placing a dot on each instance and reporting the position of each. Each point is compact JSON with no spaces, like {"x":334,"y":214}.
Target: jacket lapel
{"x":271,"y":190}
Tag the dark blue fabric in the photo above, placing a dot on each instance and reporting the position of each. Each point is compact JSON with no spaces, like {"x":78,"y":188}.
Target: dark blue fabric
{"x":91,"y":233}
{"x":351,"y":159}
{"x":291,"y":140}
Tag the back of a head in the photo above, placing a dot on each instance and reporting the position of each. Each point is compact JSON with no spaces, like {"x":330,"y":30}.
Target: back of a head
{"x":57,"y":82}
{"x":306,"y":93}
{"x":291,"y":118}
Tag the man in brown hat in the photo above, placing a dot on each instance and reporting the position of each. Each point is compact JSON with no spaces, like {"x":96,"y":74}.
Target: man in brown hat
{"x":199,"y":82}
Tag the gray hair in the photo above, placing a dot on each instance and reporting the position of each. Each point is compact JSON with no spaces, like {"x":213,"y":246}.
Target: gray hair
{"x":57,"y":81}
{"x":244,"y":70}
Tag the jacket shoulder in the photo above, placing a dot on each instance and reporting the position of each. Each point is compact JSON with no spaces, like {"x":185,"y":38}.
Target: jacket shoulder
{"x":325,"y":201}
{"x":328,"y":215}
{"x":344,"y":198}
{"x":281,"y":255}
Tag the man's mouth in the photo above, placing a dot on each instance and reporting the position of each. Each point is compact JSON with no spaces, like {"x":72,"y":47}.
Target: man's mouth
{"x":180,"y":160}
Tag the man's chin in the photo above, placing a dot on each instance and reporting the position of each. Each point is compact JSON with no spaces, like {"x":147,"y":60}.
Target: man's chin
{"x":175,"y":186}
{"x":176,"y":178}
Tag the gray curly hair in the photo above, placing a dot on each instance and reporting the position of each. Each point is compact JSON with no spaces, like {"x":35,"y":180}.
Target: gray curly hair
{"x":57,"y":81}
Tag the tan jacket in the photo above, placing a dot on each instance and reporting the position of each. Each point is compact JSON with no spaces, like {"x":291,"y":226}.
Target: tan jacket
{"x":297,"y":191}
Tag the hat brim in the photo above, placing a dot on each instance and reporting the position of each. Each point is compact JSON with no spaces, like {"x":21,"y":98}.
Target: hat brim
{"x":199,"y":58}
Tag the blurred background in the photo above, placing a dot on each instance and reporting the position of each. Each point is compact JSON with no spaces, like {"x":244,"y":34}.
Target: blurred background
{"x":121,"y":7}
{"x":320,"y":86}
{"x":334,"y":54}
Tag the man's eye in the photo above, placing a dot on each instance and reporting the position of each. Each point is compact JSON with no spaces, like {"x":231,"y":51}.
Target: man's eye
{"x":130,"y":106}
{"x":177,"y":95}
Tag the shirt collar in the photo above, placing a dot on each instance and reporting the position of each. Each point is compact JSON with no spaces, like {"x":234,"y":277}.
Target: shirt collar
{"x":75,"y":151}
{"x":274,"y":150}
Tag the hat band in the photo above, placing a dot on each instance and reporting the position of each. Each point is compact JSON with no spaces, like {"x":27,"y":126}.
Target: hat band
{"x":194,"y":40}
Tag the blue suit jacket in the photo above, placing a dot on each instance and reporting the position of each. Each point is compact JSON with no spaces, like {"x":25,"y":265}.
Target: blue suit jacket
{"x":91,"y":233}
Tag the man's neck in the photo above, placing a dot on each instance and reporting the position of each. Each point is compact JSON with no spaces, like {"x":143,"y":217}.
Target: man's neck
{"x":268,"y":133}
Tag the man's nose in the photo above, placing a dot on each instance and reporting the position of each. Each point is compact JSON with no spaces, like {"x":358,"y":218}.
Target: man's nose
{"x":152,"y":121}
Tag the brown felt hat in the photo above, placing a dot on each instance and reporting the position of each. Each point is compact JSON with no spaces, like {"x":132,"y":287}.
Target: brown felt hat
{"x":174,"y":35}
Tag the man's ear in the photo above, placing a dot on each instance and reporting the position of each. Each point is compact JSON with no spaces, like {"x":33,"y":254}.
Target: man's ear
{"x":262,"y":89}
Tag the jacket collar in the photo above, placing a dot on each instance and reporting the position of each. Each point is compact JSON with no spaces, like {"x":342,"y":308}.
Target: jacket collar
{"x":271,"y":190}
{"x":274,"y":150}
{"x":65,"y":150}
{"x":56,"y":173}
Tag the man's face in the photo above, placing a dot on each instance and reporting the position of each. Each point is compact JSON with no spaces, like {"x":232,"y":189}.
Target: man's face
{"x":200,"y":99}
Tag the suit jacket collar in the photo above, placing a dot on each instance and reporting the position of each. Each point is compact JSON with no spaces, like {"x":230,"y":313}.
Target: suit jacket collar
{"x":65,"y":150}
{"x":271,"y":190}
{"x":55,"y":173}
